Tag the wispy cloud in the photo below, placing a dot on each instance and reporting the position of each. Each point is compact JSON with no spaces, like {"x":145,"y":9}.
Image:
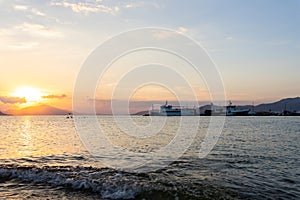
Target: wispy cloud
{"x":38,"y":29}
{"x":87,"y":7}
{"x":167,"y":34}
{"x":131,"y":5}
{"x":139,"y":4}
{"x":32,"y":11}
{"x":37,"y":12}
{"x":23,"y":45}
{"x":182,"y":30}
{"x":13,"y":37}
{"x":54,"y":96}
{"x":9,"y":39}
{"x":20,"y":7}
{"x":28,"y":9}
{"x":12,"y":100}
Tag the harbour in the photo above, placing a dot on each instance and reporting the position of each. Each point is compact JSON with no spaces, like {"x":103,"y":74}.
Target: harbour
{"x":227,"y":110}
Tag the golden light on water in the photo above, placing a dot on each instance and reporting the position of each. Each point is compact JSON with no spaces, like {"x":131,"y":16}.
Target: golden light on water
{"x":29,"y":136}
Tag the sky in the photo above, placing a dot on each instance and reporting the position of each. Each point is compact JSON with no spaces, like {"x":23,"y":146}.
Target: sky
{"x":44,"y":44}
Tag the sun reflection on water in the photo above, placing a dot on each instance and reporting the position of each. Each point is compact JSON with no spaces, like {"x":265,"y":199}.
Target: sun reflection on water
{"x":31,"y":136}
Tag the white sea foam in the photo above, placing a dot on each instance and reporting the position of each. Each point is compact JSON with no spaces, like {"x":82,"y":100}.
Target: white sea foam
{"x":113,"y":185}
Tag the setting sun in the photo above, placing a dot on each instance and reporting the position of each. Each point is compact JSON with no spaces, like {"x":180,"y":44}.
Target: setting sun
{"x":29,"y":93}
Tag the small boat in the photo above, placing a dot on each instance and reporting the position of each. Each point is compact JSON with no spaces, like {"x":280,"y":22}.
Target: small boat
{"x":69,"y":116}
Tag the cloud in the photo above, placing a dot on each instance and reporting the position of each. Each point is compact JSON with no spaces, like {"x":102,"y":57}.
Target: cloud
{"x":12,"y":100}
{"x":141,"y":4}
{"x":168,"y":34}
{"x":9,"y":40}
{"x":26,"y":45}
{"x":53,"y":96}
{"x":31,"y":12}
{"x":182,"y":30}
{"x":131,"y":5}
{"x":38,"y":29}
{"x":87,"y":7}
{"x":27,"y":9}
{"x":37,"y":12}
{"x":20,"y":7}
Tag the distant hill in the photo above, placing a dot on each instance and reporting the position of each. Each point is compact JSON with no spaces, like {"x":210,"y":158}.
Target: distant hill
{"x":1,"y":113}
{"x":39,"y":110}
{"x":141,"y":112}
{"x":290,"y":104}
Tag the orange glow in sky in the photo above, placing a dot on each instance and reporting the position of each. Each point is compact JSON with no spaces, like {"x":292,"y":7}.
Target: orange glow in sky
{"x":45,"y":44}
{"x":31,"y":94}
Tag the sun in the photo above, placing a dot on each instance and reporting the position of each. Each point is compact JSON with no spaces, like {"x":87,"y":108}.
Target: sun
{"x":29,"y":93}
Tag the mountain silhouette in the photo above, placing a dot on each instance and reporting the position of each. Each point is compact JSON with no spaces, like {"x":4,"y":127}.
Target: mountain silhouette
{"x":39,"y":110}
{"x":1,"y":113}
{"x":290,"y":104}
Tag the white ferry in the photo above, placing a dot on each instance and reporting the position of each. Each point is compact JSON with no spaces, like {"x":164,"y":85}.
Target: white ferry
{"x":169,"y":110}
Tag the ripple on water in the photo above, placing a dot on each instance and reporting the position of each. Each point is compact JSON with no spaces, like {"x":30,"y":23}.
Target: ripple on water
{"x":255,"y":157}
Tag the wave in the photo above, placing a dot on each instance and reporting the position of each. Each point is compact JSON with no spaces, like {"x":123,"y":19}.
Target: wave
{"x":109,"y":183}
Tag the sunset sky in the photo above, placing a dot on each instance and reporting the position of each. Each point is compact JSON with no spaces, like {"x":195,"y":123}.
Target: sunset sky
{"x":43,"y":44}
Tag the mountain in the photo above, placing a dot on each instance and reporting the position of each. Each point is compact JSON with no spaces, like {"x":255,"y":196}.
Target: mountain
{"x":144,"y":112}
{"x":290,"y":104}
{"x":39,"y":110}
{"x":1,"y":113}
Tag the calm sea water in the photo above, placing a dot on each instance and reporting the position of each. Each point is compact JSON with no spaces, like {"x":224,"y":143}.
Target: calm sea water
{"x":255,"y":158}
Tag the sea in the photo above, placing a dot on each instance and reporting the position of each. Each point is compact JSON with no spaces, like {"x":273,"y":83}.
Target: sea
{"x":44,"y":157}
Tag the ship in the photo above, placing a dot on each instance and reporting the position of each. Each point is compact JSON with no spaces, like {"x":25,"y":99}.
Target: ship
{"x":170,"y":110}
{"x":229,"y":110}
